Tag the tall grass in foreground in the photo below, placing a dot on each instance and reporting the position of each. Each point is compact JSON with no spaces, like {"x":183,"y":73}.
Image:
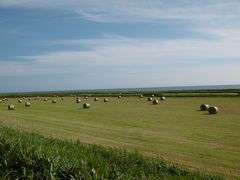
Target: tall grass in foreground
{"x":31,"y":156}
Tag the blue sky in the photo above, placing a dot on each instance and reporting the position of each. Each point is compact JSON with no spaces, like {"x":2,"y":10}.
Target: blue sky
{"x":94,"y":44}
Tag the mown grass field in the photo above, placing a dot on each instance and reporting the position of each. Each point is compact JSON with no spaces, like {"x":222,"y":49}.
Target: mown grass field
{"x":174,"y":130}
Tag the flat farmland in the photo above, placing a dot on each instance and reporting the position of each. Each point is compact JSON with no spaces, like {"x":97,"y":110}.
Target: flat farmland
{"x":174,"y":130}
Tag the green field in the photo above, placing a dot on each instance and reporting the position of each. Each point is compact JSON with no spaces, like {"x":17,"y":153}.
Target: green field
{"x":174,"y":130}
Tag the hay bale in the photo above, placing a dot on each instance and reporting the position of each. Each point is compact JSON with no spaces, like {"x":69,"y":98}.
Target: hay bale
{"x":29,"y":99}
{"x":54,"y":101}
{"x":155,"y":101}
{"x":119,"y":97}
{"x":78,"y":101}
{"x":62,"y":98}
{"x":38,"y":97}
{"x":213,"y":110}
{"x":1,"y":101}
{"x":162,"y":98}
{"x":86,"y":97}
{"x":11,"y":107}
{"x":19,"y":101}
{"x":78,"y":97}
{"x":45,"y":99}
{"x":27,"y":104}
{"x":153,"y":95}
{"x":95,"y":99}
{"x":204,"y":107}
{"x":86,"y":105}
{"x":140,"y":96}
{"x":105,"y":100}
{"x":150,"y":99}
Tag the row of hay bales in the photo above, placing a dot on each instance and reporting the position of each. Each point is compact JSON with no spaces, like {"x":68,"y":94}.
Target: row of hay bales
{"x":203,"y":107}
{"x":12,"y":106}
{"x":210,"y":109}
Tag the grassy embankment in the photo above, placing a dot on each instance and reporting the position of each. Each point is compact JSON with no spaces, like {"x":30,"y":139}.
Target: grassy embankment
{"x":31,"y":156}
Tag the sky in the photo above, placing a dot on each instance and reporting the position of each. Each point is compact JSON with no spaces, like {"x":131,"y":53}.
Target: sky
{"x":48,"y":45}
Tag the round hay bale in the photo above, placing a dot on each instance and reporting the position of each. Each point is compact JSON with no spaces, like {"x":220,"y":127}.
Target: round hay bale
{"x":213,"y":110}
{"x":54,"y":101}
{"x":45,"y":99}
{"x":29,"y":99}
{"x":163,"y":98}
{"x":95,"y":99}
{"x":86,"y":105}
{"x":86,"y":97}
{"x":27,"y":104}
{"x":150,"y":99}
{"x":38,"y":97}
{"x":19,"y":101}
{"x":62,"y":98}
{"x":11,"y":107}
{"x":78,"y":97}
{"x":140,"y":96}
{"x":204,"y":107}
{"x":119,"y":97}
{"x":105,"y":100}
{"x":155,"y":101}
{"x":78,"y":101}
{"x":152,"y":95}
{"x":1,"y":101}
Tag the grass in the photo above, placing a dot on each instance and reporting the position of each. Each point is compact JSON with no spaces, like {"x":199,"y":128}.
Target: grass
{"x":175,"y":130}
{"x":31,"y":156}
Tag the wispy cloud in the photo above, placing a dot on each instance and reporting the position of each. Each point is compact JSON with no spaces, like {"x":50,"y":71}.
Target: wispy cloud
{"x":139,"y":10}
{"x":121,"y":54}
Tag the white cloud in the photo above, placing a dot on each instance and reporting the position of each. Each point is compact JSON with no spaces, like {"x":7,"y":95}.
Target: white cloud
{"x":136,"y":60}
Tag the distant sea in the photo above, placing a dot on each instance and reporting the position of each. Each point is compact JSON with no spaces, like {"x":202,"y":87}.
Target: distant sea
{"x":213,"y":87}
{"x":173,"y":88}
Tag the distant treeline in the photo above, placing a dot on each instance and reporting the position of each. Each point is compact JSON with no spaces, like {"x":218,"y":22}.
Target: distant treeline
{"x":175,"y":93}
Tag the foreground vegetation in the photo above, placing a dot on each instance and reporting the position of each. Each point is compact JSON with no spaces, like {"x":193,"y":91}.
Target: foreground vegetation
{"x":31,"y":156}
{"x":174,"y":130}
